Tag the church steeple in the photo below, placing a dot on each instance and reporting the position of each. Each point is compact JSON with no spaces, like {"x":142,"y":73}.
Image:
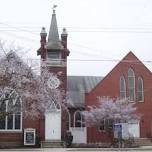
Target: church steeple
{"x":55,"y":49}
{"x":53,"y":37}
{"x":54,"y":53}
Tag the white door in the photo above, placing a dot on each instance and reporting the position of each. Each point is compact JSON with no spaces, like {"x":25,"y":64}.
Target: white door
{"x":53,"y":125}
{"x":134,"y":129}
{"x":79,"y":134}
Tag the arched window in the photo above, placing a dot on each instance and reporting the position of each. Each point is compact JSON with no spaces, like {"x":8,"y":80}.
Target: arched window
{"x":131,"y":84}
{"x":122,"y":87}
{"x":10,"y":110}
{"x":78,"y":119}
{"x":68,"y":119}
{"x":140,"y":91}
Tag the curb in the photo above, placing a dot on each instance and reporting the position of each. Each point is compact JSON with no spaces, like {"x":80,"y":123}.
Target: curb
{"x":110,"y":149}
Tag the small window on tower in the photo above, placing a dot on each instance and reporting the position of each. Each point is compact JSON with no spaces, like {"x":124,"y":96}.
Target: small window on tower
{"x":53,"y":55}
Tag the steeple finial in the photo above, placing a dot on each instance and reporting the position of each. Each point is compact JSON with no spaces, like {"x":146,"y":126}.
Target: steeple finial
{"x":43,"y":32}
{"x":53,"y":8}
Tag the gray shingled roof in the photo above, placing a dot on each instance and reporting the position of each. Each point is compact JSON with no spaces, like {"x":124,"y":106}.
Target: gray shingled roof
{"x":77,"y":86}
{"x":53,"y":38}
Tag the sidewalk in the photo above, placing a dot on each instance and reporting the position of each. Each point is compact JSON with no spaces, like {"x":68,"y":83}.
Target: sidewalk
{"x":143,"y":148}
{"x":34,"y":150}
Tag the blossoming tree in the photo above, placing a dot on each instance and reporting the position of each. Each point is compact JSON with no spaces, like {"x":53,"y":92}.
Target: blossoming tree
{"x":23,"y":90}
{"x":118,"y":111}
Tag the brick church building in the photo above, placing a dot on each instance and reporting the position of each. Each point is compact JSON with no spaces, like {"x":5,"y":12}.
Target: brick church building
{"x":129,"y":78}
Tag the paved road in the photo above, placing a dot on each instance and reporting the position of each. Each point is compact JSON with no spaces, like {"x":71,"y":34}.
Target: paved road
{"x":76,"y":150}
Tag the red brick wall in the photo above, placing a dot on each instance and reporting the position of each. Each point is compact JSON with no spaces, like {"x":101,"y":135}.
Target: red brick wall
{"x":96,"y":136}
{"x":11,"y":137}
{"x":19,"y":136}
{"x":62,"y":76}
{"x":109,"y":86}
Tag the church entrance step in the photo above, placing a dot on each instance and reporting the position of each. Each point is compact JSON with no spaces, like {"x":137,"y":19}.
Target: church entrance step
{"x":52,"y":144}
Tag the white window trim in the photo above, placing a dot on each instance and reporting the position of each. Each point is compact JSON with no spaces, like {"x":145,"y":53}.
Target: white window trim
{"x":78,"y":111}
{"x":141,"y":91}
{"x":122,"y":78}
{"x":129,"y":85}
{"x":69,"y":117}
{"x":6,"y":120}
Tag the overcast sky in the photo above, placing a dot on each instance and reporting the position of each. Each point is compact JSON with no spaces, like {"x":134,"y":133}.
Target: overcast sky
{"x":98,"y":30}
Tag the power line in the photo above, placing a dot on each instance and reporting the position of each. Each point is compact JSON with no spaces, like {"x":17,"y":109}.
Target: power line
{"x":35,"y":25}
{"x":83,"y":29}
{"x":17,"y":28}
{"x":101,"y":60}
{"x":20,"y":37}
{"x":29,"y":39}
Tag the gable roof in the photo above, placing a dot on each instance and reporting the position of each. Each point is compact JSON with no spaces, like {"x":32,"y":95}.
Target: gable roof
{"x":77,"y":86}
{"x":132,"y":58}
